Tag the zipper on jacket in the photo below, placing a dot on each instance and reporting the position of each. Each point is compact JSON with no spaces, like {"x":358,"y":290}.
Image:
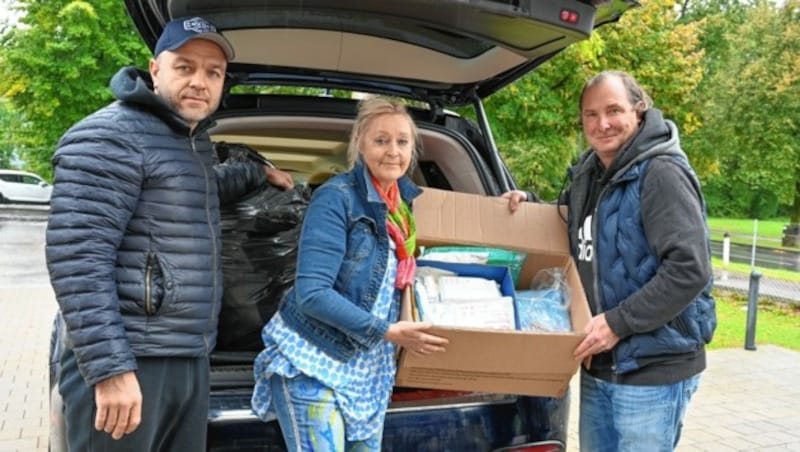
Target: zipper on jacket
{"x":616,"y":178}
{"x":595,"y":287}
{"x":148,"y":286}
{"x":213,"y":244}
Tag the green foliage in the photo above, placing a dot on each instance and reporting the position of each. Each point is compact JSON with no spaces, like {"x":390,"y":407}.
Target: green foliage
{"x":56,"y":64}
{"x":661,"y":52}
{"x":752,"y":102}
{"x":8,"y":121}
{"x":727,"y":196}
{"x":535,"y":120}
{"x":665,"y":57}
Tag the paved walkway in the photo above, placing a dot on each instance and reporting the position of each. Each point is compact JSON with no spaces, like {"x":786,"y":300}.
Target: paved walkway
{"x":748,"y":400}
{"x":26,"y":315}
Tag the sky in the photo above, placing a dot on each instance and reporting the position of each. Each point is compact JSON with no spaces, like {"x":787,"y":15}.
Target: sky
{"x":7,"y":16}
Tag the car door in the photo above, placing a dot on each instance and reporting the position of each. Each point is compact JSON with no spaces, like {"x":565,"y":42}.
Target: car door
{"x":19,"y":187}
{"x":33,"y":189}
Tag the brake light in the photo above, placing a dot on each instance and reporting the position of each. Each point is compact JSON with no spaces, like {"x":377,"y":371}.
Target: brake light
{"x":539,"y":446}
{"x":569,"y":16}
{"x":426,"y":394}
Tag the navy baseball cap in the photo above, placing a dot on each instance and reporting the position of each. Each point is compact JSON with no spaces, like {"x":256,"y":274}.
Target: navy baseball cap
{"x":180,"y":31}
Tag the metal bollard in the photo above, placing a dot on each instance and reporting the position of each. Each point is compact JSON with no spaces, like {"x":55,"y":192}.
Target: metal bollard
{"x":752,"y":310}
{"x":726,"y":255}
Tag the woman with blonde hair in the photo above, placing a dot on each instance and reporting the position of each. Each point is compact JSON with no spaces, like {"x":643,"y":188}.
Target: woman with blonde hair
{"x":328,"y":366}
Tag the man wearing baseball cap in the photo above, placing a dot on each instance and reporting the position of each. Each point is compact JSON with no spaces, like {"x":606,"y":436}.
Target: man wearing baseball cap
{"x":180,"y":31}
{"x":133,"y":249}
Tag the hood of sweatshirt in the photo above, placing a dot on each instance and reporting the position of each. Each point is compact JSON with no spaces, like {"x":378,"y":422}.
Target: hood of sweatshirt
{"x":135,"y":86}
{"x":656,"y":136}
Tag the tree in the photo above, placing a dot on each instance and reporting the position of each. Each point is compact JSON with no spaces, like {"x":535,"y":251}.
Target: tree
{"x":752,"y":109}
{"x":718,"y":18}
{"x":55,"y":66}
{"x":8,"y":121}
{"x":536,"y":119}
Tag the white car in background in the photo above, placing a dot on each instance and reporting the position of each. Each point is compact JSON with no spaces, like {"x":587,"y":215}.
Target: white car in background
{"x":23,"y":187}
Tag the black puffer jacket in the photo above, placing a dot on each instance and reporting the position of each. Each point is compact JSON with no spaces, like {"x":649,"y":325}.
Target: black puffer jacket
{"x":133,"y":238}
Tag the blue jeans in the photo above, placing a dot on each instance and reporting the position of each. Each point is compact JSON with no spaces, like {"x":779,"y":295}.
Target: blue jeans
{"x":630,"y":418}
{"x":310,"y":419}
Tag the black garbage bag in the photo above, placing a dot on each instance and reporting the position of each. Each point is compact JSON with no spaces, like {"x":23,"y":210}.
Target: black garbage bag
{"x":260,"y":234}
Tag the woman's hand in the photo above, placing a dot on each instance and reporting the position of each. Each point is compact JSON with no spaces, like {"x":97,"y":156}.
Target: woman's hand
{"x":412,"y":336}
{"x":514,"y":197}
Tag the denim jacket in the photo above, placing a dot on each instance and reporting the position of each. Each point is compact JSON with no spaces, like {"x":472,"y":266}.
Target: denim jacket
{"x":341,"y":262}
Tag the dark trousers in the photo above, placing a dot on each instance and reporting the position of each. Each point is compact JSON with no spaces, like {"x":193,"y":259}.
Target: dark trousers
{"x":174,"y":407}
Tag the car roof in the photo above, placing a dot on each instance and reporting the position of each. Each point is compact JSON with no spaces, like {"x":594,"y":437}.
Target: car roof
{"x":447,"y":49}
{"x":19,"y":172}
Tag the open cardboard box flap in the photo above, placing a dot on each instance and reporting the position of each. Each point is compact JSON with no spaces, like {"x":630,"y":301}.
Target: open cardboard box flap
{"x":514,"y":362}
{"x":446,"y":217}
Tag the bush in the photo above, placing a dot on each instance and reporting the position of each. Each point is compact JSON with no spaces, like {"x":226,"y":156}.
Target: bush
{"x":728,"y":198}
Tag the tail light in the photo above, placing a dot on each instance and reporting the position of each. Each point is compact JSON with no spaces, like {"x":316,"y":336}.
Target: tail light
{"x":410,"y":395}
{"x":569,"y":16}
{"x":539,"y":446}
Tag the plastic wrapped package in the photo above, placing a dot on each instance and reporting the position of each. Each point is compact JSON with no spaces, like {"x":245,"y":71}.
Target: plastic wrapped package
{"x":464,"y":295}
{"x":478,"y":255}
{"x":545,"y":307}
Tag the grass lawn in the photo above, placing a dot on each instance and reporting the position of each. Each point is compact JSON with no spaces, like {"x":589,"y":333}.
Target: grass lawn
{"x":745,"y":269}
{"x":770,"y":232}
{"x":775,"y":324}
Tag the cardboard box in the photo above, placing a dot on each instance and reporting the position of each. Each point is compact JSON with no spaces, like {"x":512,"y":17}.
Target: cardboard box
{"x":509,"y":362}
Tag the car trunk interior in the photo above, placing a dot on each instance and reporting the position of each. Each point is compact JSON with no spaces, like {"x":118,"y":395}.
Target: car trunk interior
{"x":311,"y":148}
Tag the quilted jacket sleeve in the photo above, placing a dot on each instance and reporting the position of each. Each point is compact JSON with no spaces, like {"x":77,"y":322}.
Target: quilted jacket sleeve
{"x":237,"y":179}
{"x":98,"y":178}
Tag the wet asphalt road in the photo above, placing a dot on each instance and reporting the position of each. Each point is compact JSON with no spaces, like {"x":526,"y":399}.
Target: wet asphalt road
{"x":22,"y":261}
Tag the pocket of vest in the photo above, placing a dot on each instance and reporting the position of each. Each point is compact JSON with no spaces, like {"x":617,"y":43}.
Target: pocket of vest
{"x":681,"y":324}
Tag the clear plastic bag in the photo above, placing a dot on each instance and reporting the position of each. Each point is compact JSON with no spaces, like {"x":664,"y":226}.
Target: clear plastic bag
{"x":545,"y":307}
